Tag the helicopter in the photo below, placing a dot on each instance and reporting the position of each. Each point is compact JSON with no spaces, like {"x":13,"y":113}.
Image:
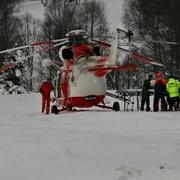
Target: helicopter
{"x":81,"y":81}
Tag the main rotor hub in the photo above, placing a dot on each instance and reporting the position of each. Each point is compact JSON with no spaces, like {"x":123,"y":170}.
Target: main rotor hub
{"x":77,"y":36}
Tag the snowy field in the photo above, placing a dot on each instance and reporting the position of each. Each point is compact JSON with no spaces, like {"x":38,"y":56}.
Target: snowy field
{"x":87,"y":145}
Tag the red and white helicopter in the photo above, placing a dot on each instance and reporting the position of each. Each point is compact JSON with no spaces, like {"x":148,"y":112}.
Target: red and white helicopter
{"x":86,"y":62}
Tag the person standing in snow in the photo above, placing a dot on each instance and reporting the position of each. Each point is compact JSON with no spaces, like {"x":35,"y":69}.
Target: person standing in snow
{"x":160,"y":92}
{"x":45,"y":90}
{"x":173,"y":86}
{"x":145,"y":94}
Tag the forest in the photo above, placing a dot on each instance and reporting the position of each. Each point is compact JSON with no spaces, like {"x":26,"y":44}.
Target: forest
{"x":155,"y":27}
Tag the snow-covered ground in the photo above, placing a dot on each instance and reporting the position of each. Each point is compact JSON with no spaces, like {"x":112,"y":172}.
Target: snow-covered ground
{"x":95,"y":144}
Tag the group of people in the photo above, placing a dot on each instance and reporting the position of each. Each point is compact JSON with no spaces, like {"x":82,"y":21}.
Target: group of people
{"x":166,"y":93}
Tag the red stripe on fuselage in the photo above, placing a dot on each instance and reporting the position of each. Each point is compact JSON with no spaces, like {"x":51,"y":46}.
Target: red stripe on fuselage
{"x":84,"y":102}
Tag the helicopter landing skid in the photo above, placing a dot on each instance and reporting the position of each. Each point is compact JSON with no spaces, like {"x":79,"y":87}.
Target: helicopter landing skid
{"x":115,"y":106}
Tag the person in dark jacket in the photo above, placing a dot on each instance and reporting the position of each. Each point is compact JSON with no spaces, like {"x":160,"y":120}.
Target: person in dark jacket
{"x":45,"y":90}
{"x":146,"y":94}
{"x":160,"y":92}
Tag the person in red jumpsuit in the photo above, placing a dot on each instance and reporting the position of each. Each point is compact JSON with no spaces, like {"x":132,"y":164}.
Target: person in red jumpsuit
{"x":45,"y":90}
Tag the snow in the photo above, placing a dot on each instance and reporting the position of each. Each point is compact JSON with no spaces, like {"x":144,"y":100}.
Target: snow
{"x":93,"y":144}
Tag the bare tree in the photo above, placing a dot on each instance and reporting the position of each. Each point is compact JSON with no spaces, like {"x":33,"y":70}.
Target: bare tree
{"x":31,"y":29}
{"x":63,"y":16}
{"x":59,"y":18}
{"x":44,"y":2}
{"x":31,"y":32}
{"x":92,"y":18}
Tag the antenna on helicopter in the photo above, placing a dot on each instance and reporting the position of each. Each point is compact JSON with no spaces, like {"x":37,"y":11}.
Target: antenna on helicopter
{"x":129,"y":35}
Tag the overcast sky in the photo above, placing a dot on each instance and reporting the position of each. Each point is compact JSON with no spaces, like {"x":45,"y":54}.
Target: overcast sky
{"x":114,"y":12}
{"x":114,"y":9}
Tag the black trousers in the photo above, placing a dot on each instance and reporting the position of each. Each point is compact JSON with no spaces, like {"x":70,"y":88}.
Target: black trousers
{"x":174,"y":103}
{"x":145,"y":101}
{"x":157,"y":99}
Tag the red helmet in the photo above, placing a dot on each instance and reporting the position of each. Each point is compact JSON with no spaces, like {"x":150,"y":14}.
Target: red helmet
{"x":158,"y":74}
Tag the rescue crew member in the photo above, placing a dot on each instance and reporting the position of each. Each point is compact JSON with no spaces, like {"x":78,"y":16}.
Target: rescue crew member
{"x":172,"y":88}
{"x":160,"y":92}
{"x":145,"y":94}
{"x":45,"y":90}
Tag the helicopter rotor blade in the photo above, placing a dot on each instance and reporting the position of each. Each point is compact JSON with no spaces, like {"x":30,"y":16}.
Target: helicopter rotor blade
{"x":149,"y":40}
{"x":61,"y":43}
{"x":102,"y":43}
{"x":59,"y":40}
{"x":145,"y":60}
{"x":50,"y":43}
{"x":14,"y":49}
{"x":166,"y":42}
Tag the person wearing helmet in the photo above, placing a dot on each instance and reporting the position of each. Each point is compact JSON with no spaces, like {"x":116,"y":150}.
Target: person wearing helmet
{"x":160,"y":92}
{"x":45,"y":90}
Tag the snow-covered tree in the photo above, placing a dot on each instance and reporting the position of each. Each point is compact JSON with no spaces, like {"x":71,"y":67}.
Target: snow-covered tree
{"x":9,"y":25}
{"x":156,"y":23}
